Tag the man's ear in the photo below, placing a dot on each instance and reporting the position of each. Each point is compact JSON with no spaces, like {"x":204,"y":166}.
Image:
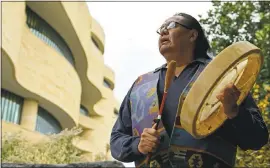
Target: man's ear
{"x":193,"y":35}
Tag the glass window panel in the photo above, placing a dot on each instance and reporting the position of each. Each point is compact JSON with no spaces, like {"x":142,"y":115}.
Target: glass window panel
{"x":115,"y":111}
{"x":106,"y":83}
{"x":3,"y":108}
{"x":84,"y":111}
{"x":47,"y":34}
{"x":6,"y":109}
{"x":16,"y":115}
{"x":95,"y":41}
{"x":10,"y":116}
{"x":9,"y":103}
{"x":46,"y":123}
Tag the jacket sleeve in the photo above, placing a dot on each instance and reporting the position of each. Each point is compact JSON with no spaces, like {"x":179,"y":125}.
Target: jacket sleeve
{"x":249,"y":128}
{"x":124,"y":146}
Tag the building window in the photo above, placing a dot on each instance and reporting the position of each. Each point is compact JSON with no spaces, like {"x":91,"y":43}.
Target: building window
{"x":46,"y":123}
{"x":107,"y":84}
{"x":97,"y":43}
{"x":11,"y":107}
{"x":84,"y":111}
{"x":115,"y":111}
{"x":47,"y":34}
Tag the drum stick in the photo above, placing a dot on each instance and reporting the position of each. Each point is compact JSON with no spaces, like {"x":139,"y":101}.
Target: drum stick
{"x":168,"y":80}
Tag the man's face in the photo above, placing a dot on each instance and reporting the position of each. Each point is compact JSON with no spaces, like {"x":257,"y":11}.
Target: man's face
{"x":177,"y":38}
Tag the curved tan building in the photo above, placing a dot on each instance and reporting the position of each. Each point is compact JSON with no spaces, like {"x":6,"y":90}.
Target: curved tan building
{"x":53,"y":73}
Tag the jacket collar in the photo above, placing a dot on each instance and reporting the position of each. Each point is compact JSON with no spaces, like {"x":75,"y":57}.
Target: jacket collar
{"x":198,"y":60}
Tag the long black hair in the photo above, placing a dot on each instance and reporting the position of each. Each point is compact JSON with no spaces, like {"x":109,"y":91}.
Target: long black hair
{"x":202,"y":46}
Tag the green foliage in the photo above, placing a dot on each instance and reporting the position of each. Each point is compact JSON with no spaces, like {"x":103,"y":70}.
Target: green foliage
{"x":229,"y":22}
{"x":100,"y":157}
{"x":58,"y":149}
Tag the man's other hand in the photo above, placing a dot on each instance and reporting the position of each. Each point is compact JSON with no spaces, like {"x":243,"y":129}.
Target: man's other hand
{"x":228,"y":97}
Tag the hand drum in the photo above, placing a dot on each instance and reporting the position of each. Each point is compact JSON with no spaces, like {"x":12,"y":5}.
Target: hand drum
{"x":201,"y":113}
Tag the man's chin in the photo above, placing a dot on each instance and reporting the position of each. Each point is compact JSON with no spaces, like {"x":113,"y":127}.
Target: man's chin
{"x":163,"y":50}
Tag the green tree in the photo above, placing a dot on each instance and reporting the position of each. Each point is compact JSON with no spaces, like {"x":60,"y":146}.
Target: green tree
{"x":229,"y":22}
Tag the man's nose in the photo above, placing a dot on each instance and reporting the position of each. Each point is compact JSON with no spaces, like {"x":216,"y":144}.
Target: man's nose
{"x":164,"y":32}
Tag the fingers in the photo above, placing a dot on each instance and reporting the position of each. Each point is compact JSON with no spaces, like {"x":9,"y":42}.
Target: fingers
{"x":149,"y":140}
{"x":233,"y":88}
{"x":149,"y":137}
{"x":145,"y":146}
{"x":236,"y":91}
{"x":229,"y":97}
{"x":145,"y":149}
{"x":154,"y":126}
{"x":230,"y":92}
{"x":220,"y":96}
{"x":151,"y":131}
{"x":150,"y":134}
{"x":149,"y":144}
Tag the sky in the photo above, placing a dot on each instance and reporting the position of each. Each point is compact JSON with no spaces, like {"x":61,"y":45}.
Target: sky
{"x":131,"y":41}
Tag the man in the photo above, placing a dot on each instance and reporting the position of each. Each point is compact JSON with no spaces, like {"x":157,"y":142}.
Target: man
{"x":182,"y":39}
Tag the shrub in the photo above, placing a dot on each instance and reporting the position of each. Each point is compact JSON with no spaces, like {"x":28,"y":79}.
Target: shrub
{"x":57,"y":150}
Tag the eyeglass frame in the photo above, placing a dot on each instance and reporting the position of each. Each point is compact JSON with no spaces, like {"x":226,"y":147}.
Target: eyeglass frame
{"x":166,"y":27}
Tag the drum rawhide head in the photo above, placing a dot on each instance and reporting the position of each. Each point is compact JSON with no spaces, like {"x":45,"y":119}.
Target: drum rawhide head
{"x":201,"y":113}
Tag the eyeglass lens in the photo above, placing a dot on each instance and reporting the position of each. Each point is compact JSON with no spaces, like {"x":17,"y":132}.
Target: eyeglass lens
{"x":171,"y":25}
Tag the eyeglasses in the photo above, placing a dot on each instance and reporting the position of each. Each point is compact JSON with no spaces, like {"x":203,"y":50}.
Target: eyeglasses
{"x":171,"y":25}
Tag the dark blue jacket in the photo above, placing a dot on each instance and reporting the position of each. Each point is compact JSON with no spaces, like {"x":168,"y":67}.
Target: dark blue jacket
{"x":247,"y":130}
